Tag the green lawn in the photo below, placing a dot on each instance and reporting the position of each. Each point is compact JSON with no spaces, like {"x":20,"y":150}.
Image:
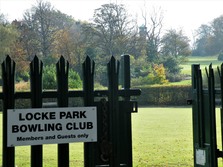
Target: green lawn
{"x":162,"y":137}
{"x":203,"y":61}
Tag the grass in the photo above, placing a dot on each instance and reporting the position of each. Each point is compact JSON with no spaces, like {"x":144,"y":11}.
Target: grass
{"x":162,"y":137}
{"x":203,"y":61}
{"x":183,"y":82}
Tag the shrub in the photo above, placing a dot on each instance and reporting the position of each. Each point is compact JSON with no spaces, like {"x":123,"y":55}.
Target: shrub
{"x":74,"y":80}
{"x":174,"y":77}
{"x":172,"y":64}
{"x":49,"y":77}
{"x":160,"y":74}
{"x":22,"y":86}
{"x":22,"y":76}
{"x":157,"y":75}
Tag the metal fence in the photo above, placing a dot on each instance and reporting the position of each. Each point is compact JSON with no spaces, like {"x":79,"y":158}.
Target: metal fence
{"x":207,"y":98}
{"x":114,"y":107}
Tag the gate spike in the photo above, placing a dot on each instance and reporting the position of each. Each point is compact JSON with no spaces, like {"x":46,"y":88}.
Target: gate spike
{"x":219,"y":72}
{"x":87,"y":58}
{"x":114,"y":63}
{"x":89,"y":63}
{"x":35,"y":58}
{"x":37,"y":65}
{"x":8,"y":63}
{"x":206,"y":70}
{"x":62,"y":63}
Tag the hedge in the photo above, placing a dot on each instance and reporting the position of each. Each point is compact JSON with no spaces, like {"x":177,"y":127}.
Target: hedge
{"x":164,"y":95}
{"x":150,"y":96}
{"x":26,"y":103}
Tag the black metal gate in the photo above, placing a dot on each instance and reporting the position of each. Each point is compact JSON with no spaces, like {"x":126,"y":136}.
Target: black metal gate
{"x":204,"y":105}
{"x":114,"y":108}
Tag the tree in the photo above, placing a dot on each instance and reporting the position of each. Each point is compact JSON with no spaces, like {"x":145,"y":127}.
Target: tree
{"x":111,"y":32}
{"x":63,"y":44}
{"x":19,"y":55}
{"x":209,"y":38}
{"x":217,"y":28}
{"x":80,"y":43}
{"x":42,"y":22}
{"x":174,"y":50}
{"x":113,"y":28}
{"x":175,"y":44}
{"x":72,"y":42}
{"x":39,"y":20}
{"x":152,"y":29}
{"x":8,"y":36}
{"x":204,"y":44}
{"x":27,"y":41}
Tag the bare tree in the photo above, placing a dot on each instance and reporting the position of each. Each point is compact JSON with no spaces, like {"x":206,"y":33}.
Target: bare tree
{"x":153,"y":25}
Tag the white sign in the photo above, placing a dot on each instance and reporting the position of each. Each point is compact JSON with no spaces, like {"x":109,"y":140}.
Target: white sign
{"x":200,"y":157}
{"x":51,"y":125}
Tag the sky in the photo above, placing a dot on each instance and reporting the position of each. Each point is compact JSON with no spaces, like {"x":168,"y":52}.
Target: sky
{"x":187,"y":15}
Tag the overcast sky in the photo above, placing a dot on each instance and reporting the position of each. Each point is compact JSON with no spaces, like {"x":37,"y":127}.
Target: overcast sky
{"x":185,"y":14}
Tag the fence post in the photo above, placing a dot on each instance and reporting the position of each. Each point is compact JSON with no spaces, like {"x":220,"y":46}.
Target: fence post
{"x":8,"y":73}
{"x":113,"y":70}
{"x":88,"y":87}
{"x":126,"y":123}
{"x":220,"y":72}
{"x":198,"y":120}
{"x":36,"y":68}
{"x":212,"y":116}
{"x":62,"y":98}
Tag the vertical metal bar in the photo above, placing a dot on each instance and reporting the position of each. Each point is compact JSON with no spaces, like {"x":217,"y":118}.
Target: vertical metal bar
{"x":36,"y":67}
{"x":197,"y":110}
{"x":62,"y":88}
{"x":8,"y":72}
{"x":197,"y":107}
{"x":211,"y":95}
{"x":88,"y":87}
{"x":127,"y":132}
{"x":220,"y":72}
{"x":125,"y":70}
{"x":88,"y":81}
{"x":200,"y":100}
{"x":113,"y":69}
